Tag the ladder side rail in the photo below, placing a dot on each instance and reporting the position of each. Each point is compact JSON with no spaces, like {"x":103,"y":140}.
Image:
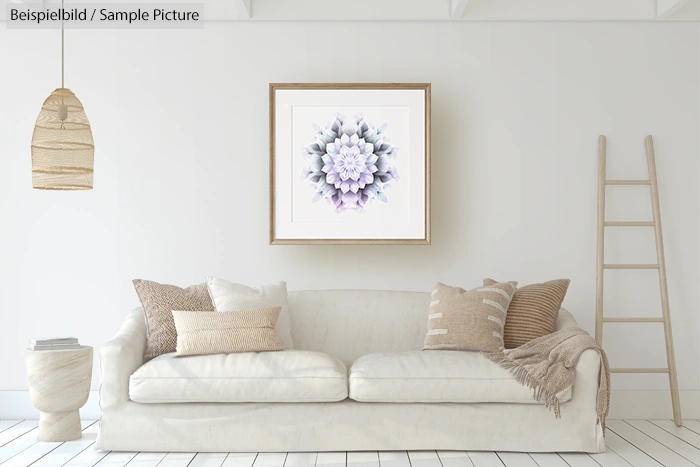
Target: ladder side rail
{"x":600,"y":254}
{"x":670,"y":354}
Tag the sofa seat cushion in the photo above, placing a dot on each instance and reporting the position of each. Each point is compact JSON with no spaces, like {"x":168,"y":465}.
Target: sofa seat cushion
{"x":435,"y":376}
{"x":285,"y":376}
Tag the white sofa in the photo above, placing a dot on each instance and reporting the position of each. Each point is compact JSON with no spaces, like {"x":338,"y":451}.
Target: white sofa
{"x":361,"y":343}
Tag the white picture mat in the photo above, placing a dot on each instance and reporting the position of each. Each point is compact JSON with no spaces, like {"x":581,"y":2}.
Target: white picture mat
{"x":403,"y":217}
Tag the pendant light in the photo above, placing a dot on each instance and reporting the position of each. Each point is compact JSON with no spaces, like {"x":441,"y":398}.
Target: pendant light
{"x":62,"y":147}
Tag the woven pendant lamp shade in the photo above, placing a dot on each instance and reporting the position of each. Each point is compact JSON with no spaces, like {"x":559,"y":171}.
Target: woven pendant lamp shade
{"x":62,"y":150}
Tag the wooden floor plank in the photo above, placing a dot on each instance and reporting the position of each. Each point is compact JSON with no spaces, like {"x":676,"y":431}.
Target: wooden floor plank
{"x":672,"y":442}
{"x":548,"y":460}
{"x":146,"y":459}
{"x":177,"y":459}
{"x":331,"y":459}
{"x":394,"y":459}
{"x":692,"y":425}
{"x":67,"y":451}
{"x":485,"y":459}
{"x":628,"y":451}
{"x":270,"y":459}
{"x":363,"y":459}
{"x":609,"y":458}
{"x":516,"y":459}
{"x":579,"y":459}
{"x":87,"y":458}
{"x":651,"y":447}
{"x":301,"y":459}
{"x":17,"y":445}
{"x":31,"y":454}
{"x":5,"y":424}
{"x":116,"y":459}
{"x":454,"y":459}
{"x":240,"y":459}
{"x":424,"y":459}
{"x":681,"y":432}
{"x":85,"y":423}
{"x":16,"y":431}
{"x":208,"y":459}
{"x":34,"y":450}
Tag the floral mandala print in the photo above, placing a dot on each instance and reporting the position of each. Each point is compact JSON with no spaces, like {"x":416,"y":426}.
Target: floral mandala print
{"x":349,"y":162}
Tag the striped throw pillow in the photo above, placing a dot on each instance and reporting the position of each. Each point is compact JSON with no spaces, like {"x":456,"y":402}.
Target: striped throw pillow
{"x":468,"y":320}
{"x":533,"y":311}
{"x":201,"y":333}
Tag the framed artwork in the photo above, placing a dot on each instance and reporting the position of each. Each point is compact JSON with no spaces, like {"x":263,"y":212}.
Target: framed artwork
{"x":350,"y":163}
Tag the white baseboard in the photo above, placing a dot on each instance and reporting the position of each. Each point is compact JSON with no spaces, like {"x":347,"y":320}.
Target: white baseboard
{"x":652,"y":405}
{"x":15,"y":405}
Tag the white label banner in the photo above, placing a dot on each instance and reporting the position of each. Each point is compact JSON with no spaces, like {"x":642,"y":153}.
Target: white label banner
{"x":105,"y":16}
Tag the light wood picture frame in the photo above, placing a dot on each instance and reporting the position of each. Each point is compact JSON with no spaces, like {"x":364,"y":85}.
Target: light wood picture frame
{"x":350,"y":163}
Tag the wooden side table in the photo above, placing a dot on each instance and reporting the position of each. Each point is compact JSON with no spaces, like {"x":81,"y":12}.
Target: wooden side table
{"x":59,"y":385}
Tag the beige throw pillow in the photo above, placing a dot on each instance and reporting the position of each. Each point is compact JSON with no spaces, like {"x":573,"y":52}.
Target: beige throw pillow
{"x":533,"y":311}
{"x":200,"y":333}
{"x":158,"y":301}
{"x":468,"y":320}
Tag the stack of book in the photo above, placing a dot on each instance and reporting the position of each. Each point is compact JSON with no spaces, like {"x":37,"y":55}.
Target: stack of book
{"x":54,"y":343}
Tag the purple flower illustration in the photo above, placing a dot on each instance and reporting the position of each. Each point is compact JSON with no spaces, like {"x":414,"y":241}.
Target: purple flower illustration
{"x":349,"y":162}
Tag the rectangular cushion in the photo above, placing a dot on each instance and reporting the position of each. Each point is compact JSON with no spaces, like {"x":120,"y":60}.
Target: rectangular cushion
{"x":205,"y":333}
{"x":285,"y":376}
{"x":435,"y":376}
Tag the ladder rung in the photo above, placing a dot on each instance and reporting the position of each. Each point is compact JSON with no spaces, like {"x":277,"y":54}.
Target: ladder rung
{"x":630,"y":266}
{"x":633,"y":320}
{"x":629,"y":224}
{"x":627,"y":182}
{"x":638,"y":370}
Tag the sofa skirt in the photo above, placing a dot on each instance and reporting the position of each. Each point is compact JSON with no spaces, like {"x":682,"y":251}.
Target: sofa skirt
{"x":347,"y":426}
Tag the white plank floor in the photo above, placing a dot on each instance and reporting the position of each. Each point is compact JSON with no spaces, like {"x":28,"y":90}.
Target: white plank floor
{"x":636,"y":443}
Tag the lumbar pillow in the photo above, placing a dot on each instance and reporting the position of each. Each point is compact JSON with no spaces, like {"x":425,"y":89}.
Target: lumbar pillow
{"x":158,"y":301}
{"x":200,"y":333}
{"x":533,"y":311}
{"x":468,"y":320}
{"x":228,"y":296}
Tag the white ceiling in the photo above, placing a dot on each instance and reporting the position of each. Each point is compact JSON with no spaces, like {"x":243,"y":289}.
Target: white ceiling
{"x":435,"y":10}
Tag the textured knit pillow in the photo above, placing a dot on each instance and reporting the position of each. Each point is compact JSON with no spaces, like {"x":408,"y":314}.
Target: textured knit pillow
{"x":533,"y":311}
{"x":159,"y":300}
{"x":201,"y":333}
{"x":229,"y":296}
{"x":468,"y":320}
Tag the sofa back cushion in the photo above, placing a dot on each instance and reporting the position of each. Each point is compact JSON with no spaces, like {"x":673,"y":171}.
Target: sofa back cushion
{"x":229,"y":296}
{"x":348,"y":324}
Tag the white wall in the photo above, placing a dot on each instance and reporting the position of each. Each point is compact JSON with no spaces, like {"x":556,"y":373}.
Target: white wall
{"x":181,"y":189}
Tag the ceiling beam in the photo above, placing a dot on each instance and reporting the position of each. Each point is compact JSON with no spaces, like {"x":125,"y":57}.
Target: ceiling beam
{"x":243,"y":8}
{"x":458,"y":7}
{"x":665,"y":8}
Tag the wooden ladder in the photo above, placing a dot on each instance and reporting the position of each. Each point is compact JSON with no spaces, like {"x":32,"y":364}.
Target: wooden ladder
{"x":660,"y":266}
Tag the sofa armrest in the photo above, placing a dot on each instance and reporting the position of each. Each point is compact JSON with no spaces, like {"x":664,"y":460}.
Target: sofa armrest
{"x":120,"y":357}
{"x":588,"y":366}
{"x":587,"y":378}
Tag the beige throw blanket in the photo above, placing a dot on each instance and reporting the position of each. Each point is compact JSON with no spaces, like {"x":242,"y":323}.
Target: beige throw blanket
{"x":548,"y":366}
